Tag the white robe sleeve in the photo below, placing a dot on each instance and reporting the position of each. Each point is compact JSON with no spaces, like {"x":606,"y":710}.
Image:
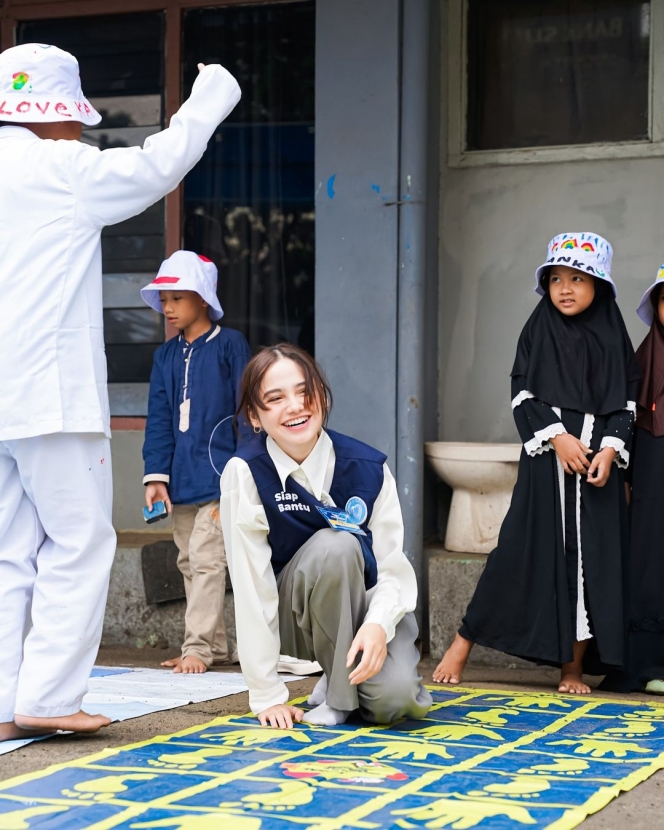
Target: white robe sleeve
{"x":245,"y":529}
{"x":113,"y":185}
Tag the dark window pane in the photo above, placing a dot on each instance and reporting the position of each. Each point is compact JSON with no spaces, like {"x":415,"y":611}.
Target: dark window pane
{"x":135,"y":245}
{"x":121,"y":57}
{"x":119,"y":54}
{"x":133,"y":325}
{"x":249,"y":203}
{"x":557,"y":72}
{"x":130,"y":362}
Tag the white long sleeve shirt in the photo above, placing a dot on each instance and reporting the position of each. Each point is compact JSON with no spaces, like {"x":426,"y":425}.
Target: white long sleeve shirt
{"x":245,"y":528}
{"x":55,"y":198}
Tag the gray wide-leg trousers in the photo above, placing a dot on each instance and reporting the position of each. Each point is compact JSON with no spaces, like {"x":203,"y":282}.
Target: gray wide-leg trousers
{"x":322,"y":604}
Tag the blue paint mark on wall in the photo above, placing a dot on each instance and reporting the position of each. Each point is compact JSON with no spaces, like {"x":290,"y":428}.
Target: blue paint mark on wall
{"x":376,"y":187}
{"x":330,"y":186}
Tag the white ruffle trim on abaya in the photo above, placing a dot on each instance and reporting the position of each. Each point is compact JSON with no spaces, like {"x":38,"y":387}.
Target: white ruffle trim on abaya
{"x":540,"y":442}
{"x":521,"y":397}
{"x":622,"y":456}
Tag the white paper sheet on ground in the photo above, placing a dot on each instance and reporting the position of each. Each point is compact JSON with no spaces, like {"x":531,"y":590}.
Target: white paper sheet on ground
{"x":123,"y":693}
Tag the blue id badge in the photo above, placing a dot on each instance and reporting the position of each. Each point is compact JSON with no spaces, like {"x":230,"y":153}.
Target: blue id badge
{"x":340,"y":520}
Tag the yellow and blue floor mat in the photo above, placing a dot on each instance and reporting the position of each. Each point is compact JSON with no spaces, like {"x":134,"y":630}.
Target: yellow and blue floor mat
{"x":481,"y":759}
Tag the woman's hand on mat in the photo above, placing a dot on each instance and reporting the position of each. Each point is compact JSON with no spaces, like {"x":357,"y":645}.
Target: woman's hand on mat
{"x":600,"y":468}
{"x":572,"y":453}
{"x":157,"y":491}
{"x":371,"y":640}
{"x":281,"y":716}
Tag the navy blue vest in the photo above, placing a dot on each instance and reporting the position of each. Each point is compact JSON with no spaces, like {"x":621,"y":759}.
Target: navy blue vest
{"x":292,"y":514}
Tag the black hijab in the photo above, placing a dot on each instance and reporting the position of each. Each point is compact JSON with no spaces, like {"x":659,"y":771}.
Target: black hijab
{"x":650,"y":357}
{"x":582,"y":362}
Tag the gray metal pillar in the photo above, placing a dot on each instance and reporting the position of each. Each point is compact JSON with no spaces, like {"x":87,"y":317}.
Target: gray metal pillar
{"x":372,"y":88}
{"x":411,"y":277}
{"x":357,"y":165}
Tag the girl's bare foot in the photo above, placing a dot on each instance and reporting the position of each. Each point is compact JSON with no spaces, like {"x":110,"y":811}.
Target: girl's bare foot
{"x":450,"y":669}
{"x":80,"y":722}
{"x":571,"y":682}
{"x":570,"y":673}
{"x":9,"y":731}
{"x":173,"y":663}
{"x":190,"y":665}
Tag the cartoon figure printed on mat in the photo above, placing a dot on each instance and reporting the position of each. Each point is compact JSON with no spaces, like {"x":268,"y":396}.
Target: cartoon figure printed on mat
{"x":314,"y":538}
{"x":644,"y":667}
{"x":57,"y":541}
{"x":345,"y":772}
{"x":552,"y":590}
{"x":189,"y":437}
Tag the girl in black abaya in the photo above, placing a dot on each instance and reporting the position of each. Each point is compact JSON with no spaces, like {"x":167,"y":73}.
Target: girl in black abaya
{"x":644,"y":666}
{"x":552,"y":590}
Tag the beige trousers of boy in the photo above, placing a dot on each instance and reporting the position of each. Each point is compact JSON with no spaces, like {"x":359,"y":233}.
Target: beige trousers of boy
{"x":322,"y":604}
{"x":202,"y":562}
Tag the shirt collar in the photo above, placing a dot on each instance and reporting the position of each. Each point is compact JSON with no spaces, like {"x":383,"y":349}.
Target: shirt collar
{"x":16,"y":131}
{"x":210,"y":334}
{"x":314,"y":465}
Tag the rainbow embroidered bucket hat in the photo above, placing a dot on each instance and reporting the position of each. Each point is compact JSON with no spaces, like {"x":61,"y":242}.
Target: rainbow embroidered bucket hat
{"x":185,"y":271}
{"x":645,"y":310}
{"x":587,"y":252}
{"x":41,"y":84}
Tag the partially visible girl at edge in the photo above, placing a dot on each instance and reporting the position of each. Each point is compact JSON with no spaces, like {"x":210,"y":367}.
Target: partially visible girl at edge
{"x":552,"y":590}
{"x":644,"y":667}
{"x":338,"y":597}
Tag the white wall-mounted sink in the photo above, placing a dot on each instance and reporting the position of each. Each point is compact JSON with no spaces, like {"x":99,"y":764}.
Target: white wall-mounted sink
{"x":482,"y":477}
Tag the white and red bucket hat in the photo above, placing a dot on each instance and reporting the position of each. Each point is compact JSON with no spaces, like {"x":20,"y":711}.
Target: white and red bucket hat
{"x":645,"y":310}
{"x":41,"y":83}
{"x":585,"y":251}
{"x":185,"y":271}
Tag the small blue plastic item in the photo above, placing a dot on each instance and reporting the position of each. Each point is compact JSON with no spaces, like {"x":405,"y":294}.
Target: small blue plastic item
{"x":158,"y":512}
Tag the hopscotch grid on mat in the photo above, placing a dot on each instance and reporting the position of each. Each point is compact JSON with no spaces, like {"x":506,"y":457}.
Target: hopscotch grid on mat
{"x":424,"y":774}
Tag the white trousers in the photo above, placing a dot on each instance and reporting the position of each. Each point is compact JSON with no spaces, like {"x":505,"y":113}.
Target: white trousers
{"x":56,"y":549}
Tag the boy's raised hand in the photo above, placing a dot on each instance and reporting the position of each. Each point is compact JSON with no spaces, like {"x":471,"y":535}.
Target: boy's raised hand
{"x":371,"y":640}
{"x":157,"y":491}
{"x":572,"y":453}
{"x":600,"y":468}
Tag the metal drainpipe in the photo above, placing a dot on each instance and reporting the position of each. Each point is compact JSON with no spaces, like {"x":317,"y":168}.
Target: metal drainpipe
{"x":415,"y":23}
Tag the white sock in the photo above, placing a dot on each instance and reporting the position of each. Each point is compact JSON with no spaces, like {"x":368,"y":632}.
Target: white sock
{"x":325,"y":715}
{"x":320,"y":690}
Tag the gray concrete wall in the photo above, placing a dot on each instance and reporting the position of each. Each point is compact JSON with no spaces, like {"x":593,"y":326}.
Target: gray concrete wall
{"x":495,"y":223}
{"x":128,"y":490}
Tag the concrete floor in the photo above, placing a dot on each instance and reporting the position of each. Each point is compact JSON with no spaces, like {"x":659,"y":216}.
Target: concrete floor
{"x":641,"y":809}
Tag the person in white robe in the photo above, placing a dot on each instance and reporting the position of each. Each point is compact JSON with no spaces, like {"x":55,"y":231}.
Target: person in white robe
{"x":56,"y":537}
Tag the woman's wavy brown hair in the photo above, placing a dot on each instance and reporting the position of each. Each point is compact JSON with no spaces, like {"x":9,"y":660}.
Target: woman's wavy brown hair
{"x":316,"y":386}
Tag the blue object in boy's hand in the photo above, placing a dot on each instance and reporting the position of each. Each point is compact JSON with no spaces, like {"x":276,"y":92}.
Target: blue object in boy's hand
{"x":158,"y":512}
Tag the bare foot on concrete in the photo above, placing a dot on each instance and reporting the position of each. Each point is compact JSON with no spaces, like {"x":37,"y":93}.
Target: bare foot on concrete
{"x":570,"y":673}
{"x":80,"y":722}
{"x":187,"y":665}
{"x":9,"y":731}
{"x":172,"y":663}
{"x":450,"y":669}
{"x":571,"y":682}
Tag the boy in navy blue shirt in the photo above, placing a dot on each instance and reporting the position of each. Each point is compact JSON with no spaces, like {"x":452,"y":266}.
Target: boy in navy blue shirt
{"x":188,"y":440}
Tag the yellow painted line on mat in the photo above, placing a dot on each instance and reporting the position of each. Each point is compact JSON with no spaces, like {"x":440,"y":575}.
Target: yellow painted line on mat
{"x":597,"y":801}
{"x":104,"y":753}
{"x":166,"y":802}
{"x":462,"y":695}
{"x":429,"y":778}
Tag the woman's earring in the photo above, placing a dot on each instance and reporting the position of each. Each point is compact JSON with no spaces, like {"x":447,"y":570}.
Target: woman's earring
{"x":257,"y":430}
